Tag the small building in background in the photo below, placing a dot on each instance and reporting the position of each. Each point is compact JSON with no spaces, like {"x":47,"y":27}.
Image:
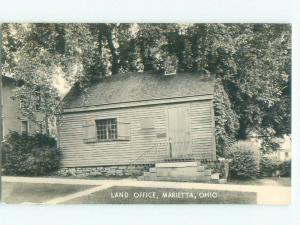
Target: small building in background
{"x":283,"y":153}
{"x":13,"y":120}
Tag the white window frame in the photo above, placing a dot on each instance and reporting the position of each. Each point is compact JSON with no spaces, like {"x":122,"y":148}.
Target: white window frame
{"x":107,"y":131}
{"x":122,"y":129}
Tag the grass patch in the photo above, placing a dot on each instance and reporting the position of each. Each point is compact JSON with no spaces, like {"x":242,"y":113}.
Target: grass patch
{"x":37,"y":193}
{"x":137,"y":195}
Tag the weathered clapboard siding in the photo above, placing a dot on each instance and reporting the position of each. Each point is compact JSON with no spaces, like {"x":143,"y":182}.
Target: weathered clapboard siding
{"x":202,"y":129}
{"x":76,"y":153}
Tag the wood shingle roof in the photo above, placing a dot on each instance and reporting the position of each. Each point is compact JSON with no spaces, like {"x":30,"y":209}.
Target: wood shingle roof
{"x":136,"y":87}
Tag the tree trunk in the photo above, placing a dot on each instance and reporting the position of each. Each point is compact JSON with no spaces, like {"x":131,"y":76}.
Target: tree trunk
{"x":242,"y":134}
{"x":113,"y":50}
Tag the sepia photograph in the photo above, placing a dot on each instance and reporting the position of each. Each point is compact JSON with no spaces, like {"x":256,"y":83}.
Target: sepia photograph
{"x":145,"y":113}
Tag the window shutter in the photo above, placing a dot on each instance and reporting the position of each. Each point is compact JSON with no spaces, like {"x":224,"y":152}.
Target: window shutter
{"x":89,"y":132}
{"x":123,"y":127}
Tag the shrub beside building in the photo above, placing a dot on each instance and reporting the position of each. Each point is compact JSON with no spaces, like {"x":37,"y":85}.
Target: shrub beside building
{"x":29,"y":155}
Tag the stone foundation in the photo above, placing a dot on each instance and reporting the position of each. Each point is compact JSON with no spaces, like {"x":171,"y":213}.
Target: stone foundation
{"x":210,"y":169}
{"x":106,"y":171}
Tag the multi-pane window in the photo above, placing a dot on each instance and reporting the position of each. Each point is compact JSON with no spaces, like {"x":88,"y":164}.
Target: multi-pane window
{"x":106,"y":129}
{"x":116,"y":129}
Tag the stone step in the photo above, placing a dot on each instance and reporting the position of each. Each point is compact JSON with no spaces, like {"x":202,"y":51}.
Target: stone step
{"x":164,"y":171}
{"x":181,"y":174}
{"x":181,"y":177}
{"x":185,"y":179}
{"x":152,"y":170}
{"x":146,"y":174}
{"x":181,"y":171}
{"x":181,"y":159}
{"x":177,"y":164}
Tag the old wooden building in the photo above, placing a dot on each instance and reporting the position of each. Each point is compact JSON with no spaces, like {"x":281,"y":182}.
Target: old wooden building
{"x":138,"y":118}
{"x":13,"y":120}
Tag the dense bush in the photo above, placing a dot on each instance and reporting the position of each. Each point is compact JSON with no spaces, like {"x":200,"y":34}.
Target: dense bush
{"x":285,"y":168}
{"x":29,"y":155}
{"x":272,"y":167}
{"x":244,"y":158}
{"x":268,"y":166}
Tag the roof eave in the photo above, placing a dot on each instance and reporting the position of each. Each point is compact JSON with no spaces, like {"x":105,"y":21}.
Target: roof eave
{"x":138,"y":103}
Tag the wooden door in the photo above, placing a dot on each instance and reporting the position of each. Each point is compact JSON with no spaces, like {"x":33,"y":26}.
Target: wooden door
{"x":179,"y":132}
